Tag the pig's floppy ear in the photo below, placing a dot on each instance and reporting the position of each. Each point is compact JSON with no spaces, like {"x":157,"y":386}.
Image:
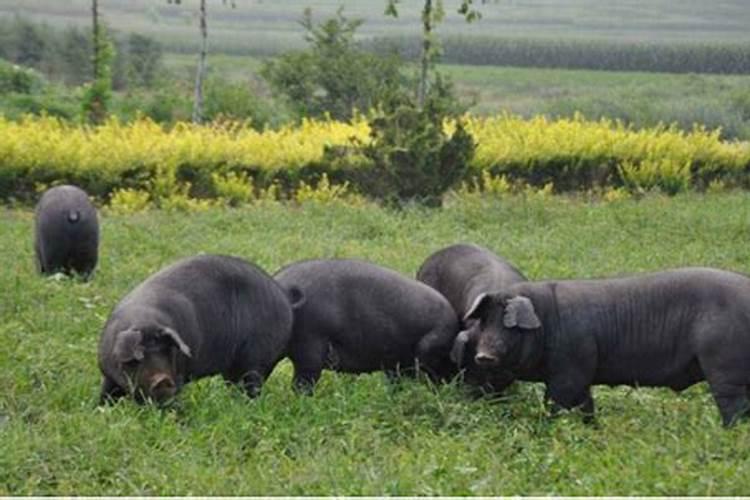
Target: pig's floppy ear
{"x":296,"y":297}
{"x":519,"y":311}
{"x":168,"y":332}
{"x":482,"y":300}
{"x":128,"y":346}
{"x":459,"y":346}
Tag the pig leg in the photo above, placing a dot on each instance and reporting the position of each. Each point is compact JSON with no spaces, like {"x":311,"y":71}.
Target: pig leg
{"x":308,"y":358}
{"x":253,"y":367}
{"x":252,"y":382}
{"x":728,"y":378}
{"x":731,"y":399}
{"x":568,"y":391}
{"x":110,"y":391}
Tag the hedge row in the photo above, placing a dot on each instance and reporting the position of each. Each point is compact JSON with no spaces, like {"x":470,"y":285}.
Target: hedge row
{"x":725,"y":58}
{"x":573,"y":154}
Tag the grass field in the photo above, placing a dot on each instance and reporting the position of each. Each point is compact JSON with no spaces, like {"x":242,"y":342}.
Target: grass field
{"x":270,"y":26}
{"x":357,"y":435}
{"x":644,"y":99}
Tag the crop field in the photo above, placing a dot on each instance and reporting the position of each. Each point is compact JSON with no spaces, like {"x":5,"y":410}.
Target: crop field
{"x":270,"y":26}
{"x":644,"y":99}
{"x":358,"y":434}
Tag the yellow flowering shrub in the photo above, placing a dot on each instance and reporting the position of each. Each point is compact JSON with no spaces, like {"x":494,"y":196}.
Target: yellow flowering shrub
{"x":238,"y":164}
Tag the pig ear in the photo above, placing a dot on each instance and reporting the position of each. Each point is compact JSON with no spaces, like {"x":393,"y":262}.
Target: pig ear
{"x":459,"y":346}
{"x":482,"y":300}
{"x":168,"y":332}
{"x":296,"y":297}
{"x":519,"y":311}
{"x":128,"y":346}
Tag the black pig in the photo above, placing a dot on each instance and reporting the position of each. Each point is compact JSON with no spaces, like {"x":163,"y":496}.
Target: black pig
{"x":201,"y":316}
{"x":667,"y":329}
{"x":66,"y":232}
{"x":462,"y":272}
{"x":355,"y":317}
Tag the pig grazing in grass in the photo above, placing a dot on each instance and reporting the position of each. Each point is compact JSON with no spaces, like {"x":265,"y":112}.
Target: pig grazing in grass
{"x":665,"y":329}
{"x":66,"y":232}
{"x":201,"y":316}
{"x":355,"y":317}
{"x":463,"y":272}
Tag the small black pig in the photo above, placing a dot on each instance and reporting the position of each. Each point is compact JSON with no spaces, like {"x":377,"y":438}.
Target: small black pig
{"x":201,"y":316}
{"x":66,"y":232}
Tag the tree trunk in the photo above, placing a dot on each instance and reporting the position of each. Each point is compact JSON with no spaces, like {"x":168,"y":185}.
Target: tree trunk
{"x":96,"y":35}
{"x":426,"y":47}
{"x":198,"y":100}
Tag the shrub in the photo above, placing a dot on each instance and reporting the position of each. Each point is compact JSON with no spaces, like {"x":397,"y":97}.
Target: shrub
{"x":234,"y":189}
{"x":414,"y":157}
{"x":128,"y":201}
{"x":324,"y":192}
{"x":18,"y":79}
{"x":333,"y":77}
{"x":235,"y":102}
{"x":182,"y":161}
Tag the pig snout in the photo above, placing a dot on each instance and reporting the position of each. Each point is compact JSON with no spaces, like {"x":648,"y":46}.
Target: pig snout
{"x":162,"y":387}
{"x":484,"y":358}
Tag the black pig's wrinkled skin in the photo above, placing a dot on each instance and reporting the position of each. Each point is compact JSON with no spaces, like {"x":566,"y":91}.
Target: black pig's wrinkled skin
{"x":201,"y":316}
{"x":666,"y":329}
{"x":66,"y":232}
{"x":463,"y":272}
{"x":355,"y":317}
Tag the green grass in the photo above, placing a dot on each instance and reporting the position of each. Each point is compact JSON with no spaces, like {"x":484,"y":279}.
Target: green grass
{"x":357,"y":435}
{"x":643,"y":99}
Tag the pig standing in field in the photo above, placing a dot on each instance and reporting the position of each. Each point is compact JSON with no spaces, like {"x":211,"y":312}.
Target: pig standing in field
{"x":668,"y":329}
{"x":356,"y":317}
{"x":66,"y":232}
{"x":201,"y":316}
{"x":463,"y":272}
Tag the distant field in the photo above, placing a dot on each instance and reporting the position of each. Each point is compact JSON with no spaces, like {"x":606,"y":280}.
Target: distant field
{"x":357,"y":435}
{"x":642,"y":98}
{"x":267,"y":26}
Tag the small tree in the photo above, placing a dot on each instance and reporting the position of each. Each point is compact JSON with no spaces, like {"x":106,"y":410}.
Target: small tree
{"x":200,"y":74}
{"x":334,"y":76}
{"x":432,"y":14}
{"x":97,"y":96}
{"x":413,"y":156}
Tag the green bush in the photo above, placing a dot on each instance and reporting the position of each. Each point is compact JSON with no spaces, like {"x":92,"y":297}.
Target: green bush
{"x":54,"y":100}
{"x":18,"y":79}
{"x":236,"y":101}
{"x":413,"y":157}
{"x":334,"y":76}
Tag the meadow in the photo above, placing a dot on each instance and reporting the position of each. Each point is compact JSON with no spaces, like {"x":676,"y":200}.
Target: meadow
{"x":643,"y":99}
{"x":358,"y":435}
